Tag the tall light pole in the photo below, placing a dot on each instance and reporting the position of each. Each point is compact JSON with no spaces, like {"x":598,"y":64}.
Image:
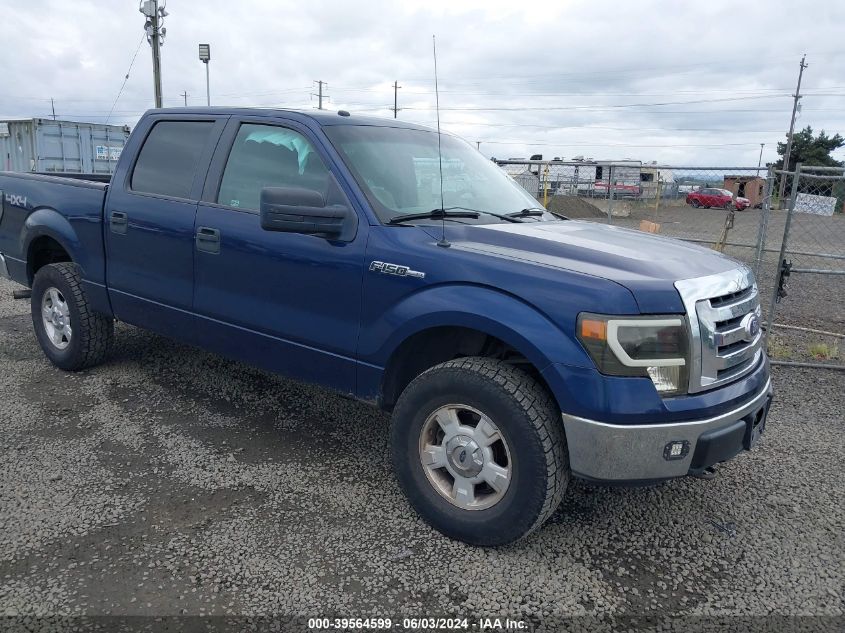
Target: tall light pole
{"x":155,"y":13}
{"x":760,"y":160}
{"x":788,"y":152}
{"x":205,"y":57}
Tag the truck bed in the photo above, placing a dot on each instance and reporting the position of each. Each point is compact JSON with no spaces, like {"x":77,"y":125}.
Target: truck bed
{"x":68,"y":208}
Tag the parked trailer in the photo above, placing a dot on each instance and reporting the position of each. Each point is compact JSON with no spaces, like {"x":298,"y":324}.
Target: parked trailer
{"x":45,"y":145}
{"x":584,"y":178}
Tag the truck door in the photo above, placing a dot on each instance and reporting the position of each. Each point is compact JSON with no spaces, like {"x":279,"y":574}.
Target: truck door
{"x":288,"y":302}
{"x":149,"y":224}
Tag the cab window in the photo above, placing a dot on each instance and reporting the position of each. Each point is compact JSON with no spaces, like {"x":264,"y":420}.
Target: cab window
{"x":168,"y":159}
{"x":269,"y":156}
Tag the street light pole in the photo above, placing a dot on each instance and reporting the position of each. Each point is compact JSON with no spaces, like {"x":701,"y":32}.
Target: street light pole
{"x":205,"y":57}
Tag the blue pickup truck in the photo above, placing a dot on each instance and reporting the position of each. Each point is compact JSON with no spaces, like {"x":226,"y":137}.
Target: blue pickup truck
{"x":513,"y":347}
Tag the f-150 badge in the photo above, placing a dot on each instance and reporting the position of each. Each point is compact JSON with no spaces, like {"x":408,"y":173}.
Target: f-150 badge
{"x":395,"y":269}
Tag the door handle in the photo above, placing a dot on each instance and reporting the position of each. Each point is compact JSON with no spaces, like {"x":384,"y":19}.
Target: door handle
{"x":208,"y":240}
{"x":118,"y":222}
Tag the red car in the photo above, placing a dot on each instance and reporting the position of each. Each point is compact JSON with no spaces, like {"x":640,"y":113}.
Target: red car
{"x":719,"y":198}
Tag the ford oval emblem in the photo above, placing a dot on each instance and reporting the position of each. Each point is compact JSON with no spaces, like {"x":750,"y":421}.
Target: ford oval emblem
{"x":751,"y":325}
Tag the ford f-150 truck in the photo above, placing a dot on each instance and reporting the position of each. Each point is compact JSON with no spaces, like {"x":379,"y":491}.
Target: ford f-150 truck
{"x":514,"y":348}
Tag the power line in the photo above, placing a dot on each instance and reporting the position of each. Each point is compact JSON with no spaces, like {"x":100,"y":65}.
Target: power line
{"x":126,"y":78}
{"x":605,"y":127}
{"x":590,"y":107}
{"x":564,"y":144}
{"x":582,"y":93}
{"x":249,"y":95}
{"x":629,"y":70}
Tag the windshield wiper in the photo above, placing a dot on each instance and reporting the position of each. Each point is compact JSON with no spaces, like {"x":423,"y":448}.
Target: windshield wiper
{"x":538,"y":212}
{"x":434,"y":214}
{"x":448,"y":213}
{"x":509,"y":217}
{"x":528,"y":212}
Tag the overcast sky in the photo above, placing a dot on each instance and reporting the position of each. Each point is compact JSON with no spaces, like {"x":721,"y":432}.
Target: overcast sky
{"x":558,"y":78}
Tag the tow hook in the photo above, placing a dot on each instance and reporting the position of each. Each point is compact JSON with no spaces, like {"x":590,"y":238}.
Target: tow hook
{"x":708,"y":473}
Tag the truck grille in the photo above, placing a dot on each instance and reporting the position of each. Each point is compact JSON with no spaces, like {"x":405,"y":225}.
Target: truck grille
{"x":724,"y":312}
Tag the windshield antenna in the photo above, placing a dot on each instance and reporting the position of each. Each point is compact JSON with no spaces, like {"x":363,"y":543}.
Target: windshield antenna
{"x":443,"y":241}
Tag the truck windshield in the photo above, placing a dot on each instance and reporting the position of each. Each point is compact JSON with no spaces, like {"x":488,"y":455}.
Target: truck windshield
{"x":399,"y":171}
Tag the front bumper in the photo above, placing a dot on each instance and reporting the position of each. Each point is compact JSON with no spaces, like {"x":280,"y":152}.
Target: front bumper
{"x":639,"y":452}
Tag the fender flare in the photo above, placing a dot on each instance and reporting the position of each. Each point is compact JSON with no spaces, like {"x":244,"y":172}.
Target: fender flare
{"x":482,"y":308}
{"x":47,"y":222}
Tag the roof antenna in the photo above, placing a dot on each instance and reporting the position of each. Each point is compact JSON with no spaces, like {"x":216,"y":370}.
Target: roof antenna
{"x":443,"y":241}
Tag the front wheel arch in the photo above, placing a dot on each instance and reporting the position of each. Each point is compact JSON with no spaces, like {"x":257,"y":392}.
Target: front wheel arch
{"x":432,"y":346}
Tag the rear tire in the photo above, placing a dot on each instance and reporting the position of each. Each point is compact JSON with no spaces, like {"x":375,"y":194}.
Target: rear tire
{"x":438,"y":419}
{"x":72,"y":336}
{"x":696,"y":204}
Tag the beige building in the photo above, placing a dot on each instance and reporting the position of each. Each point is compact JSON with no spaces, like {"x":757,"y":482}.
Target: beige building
{"x":751,"y":187}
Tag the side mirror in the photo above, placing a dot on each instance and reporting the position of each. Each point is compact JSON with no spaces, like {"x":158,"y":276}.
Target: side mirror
{"x":296,"y":210}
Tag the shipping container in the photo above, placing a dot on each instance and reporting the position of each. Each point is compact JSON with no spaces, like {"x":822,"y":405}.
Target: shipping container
{"x":45,"y":145}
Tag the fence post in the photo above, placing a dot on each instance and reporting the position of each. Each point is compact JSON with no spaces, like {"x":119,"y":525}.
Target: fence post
{"x":657,"y":197}
{"x":764,"y":220}
{"x":783,"y":245}
{"x":610,"y":195}
{"x":546,"y":186}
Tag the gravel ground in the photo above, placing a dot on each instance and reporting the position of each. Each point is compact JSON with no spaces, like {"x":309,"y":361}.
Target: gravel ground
{"x":170,"y":481}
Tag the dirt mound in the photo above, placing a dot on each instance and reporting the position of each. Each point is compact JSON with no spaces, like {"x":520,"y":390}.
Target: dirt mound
{"x":575,"y":208}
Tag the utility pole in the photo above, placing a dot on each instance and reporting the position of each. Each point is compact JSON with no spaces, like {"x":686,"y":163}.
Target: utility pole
{"x":53,"y":108}
{"x":155,"y":13}
{"x":760,"y":160}
{"x":185,"y":97}
{"x":478,"y":145}
{"x":320,"y":94}
{"x":788,"y":152}
{"x":396,"y":87}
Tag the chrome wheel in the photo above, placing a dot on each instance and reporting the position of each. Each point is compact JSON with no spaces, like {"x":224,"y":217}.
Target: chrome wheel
{"x":55,"y":315}
{"x":465,"y":457}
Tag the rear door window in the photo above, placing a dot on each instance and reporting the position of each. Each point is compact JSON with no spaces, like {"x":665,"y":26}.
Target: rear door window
{"x":269,"y":156}
{"x":168,"y":159}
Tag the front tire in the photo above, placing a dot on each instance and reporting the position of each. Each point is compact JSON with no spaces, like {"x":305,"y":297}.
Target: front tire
{"x":72,"y":335}
{"x":479,"y":450}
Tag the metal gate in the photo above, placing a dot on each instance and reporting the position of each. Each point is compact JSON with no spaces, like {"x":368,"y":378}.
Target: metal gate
{"x":806,"y":315}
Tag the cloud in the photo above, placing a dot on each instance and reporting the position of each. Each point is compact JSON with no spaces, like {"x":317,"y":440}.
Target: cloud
{"x":573,"y":63}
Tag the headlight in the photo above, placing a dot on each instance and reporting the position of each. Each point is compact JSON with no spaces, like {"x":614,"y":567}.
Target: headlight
{"x":656,"y":347}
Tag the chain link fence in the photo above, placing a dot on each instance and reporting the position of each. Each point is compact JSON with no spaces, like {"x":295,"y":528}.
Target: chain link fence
{"x":734,"y":210}
{"x":806,"y":313}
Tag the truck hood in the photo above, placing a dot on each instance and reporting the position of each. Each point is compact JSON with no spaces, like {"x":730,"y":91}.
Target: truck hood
{"x":647,"y":264}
